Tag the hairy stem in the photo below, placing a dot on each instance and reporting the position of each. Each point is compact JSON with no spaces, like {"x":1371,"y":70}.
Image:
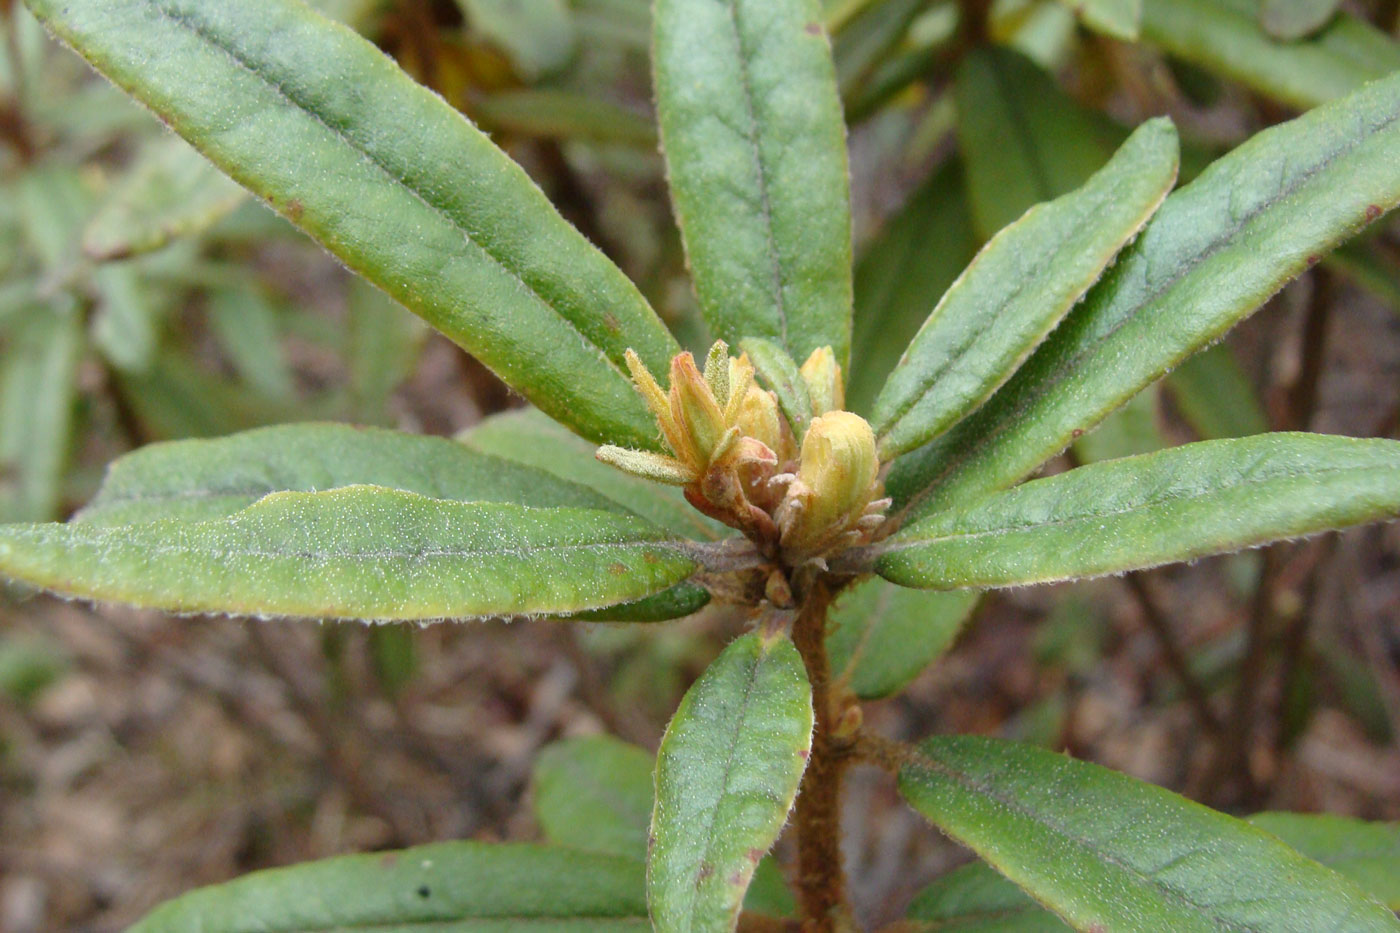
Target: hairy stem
{"x":821,"y":880}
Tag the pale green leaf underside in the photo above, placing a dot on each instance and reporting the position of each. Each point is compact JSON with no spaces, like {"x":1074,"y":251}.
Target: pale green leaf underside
{"x":359,"y":552}
{"x":450,"y":887}
{"x":595,"y":793}
{"x":1225,"y":37}
{"x":393,"y":181}
{"x":882,"y":636}
{"x":1367,"y":853}
{"x":528,"y":437}
{"x":755,"y":148}
{"x":1217,"y":249}
{"x":1174,"y":505}
{"x":197,"y":480}
{"x":727,"y":772}
{"x":1018,"y":288}
{"x":1109,"y":853}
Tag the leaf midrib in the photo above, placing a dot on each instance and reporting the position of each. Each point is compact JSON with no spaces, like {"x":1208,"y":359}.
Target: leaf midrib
{"x":1198,"y":493}
{"x":970,"y":783}
{"x":765,"y":202}
{"x":214,"y":40}
{"x":1219,"y":244}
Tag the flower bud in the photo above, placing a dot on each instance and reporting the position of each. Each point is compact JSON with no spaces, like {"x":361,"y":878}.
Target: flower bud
{"x":759,"y":418}
{"x":694,"y":407}
{"x":836,"y":480}
{"x":822,"y":374}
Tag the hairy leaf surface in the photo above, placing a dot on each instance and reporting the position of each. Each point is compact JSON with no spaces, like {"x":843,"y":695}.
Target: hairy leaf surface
{"x":1216,"y":250}
{"x":464,"y":887}
{"x":1018,"y":288}
{"x":756,"y":156}
{"x":1174,"y":505}
{"x":1367,"y":853}
{"x":726,"y":775}
{"x":1107,"y":852}
{"x":392,"y":180}
{"x":359,"y":552}
{"x":195,"y":480}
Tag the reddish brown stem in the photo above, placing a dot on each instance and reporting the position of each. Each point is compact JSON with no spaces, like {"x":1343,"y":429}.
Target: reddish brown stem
{"x":821,"y":878}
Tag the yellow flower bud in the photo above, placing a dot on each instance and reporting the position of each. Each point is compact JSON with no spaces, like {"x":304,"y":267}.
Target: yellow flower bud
{"x":836,"y":480}
{"x":825,"y":386}
{"x":694,"y":407}
{"x":759,"y":418}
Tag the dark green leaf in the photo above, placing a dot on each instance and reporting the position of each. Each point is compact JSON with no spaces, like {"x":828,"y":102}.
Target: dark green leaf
{"x":756,"y":154}
{"x":975,"y":899}
{"x":1216,"y":397}
{"x":1178,"y":504}
{"x":1217,"y":249}
{"x":882,"y":636}
{"x":393,"y":181}
{"x":1017,"y":289}
{"x":565,"y":115}
{"x":1109,"y":853}
{"x":726,"y":776}
{"x":902,"y":274}
{"x":1133,"y":429}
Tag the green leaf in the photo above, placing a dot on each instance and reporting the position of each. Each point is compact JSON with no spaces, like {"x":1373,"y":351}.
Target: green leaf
{"x":528,"y":437}
{"x":538,"y":35}
{"x":197,"y":480}
{"x":38,"y":386}
{"x":1368,"y":267}
{"x":882,"y":636}
{"x":1367,"y":853}
{"x":1018,"y":288}
{"x":867,"y":40}
{"x":1216,"y":397}
{"x":565,"y":115}
{"x":595,"y":793}
{"x":393,"y":656}
{"x":975,"y":899}
{"x":245,"y":322}
{"x":726,"y":776}
{"x":899,"y":278}
{"x":1109,"y":853}
{"x":382,"y":349}
{"x":392,"y":180}
{"x":780,"y":373}
{"x":465,"y":887}
{"x":1290,"y":20}
{"x":1178,"y":504}
{"x":177,"y":397}
{"x":1133,"y":429}
{"x":1023,"y":139}
{"x":1216,"y":250}
{"x":167,"y":192}
{"x":756,"y":155}
{"x":1120,"y":19}
{"x":357,"y":552}
{"x":1224,"y":36}
{"x":126,"y":322}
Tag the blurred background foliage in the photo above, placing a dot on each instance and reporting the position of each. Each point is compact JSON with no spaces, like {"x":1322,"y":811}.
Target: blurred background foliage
{"x":145,"y":297}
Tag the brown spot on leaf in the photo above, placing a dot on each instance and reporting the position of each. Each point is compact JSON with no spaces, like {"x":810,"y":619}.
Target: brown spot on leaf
{"x":706,"y":870}
{"x":755,"y":855}
{"x":736,"y":879}
{"x":814,"y":29}
{"x":1077,"y":433}
{"x":1373,"y":211}
{"x":1314,"y":259}
{"x":611,"y":322}
{"x":617,"y":570}
{"x":294,"y":210}
{"x":802,"y":753}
